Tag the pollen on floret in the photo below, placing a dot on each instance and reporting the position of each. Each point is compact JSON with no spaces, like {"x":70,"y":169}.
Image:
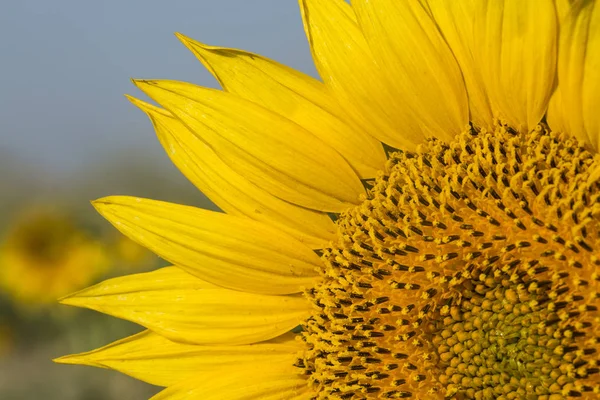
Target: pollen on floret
{"x":470,"y":271}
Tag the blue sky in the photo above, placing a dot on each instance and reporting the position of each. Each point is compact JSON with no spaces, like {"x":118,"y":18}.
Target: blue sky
{"x":67,"y":63}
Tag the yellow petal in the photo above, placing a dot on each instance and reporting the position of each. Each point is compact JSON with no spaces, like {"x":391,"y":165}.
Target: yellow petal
{"x":574,"y":107}
{"x":346,"y":65}
{"x":455,"y":20}
{"x":559,"y":118}
{"x":230,"y":191}
{"x":186,"y":309}
{"x":556,"y":110}
{"x":232,"y":252}
{"x":267,"y":149}
{"x":293,"y":95}
{"x":264,"y":381}
{"x":418,"y":65}
{"x":516,"y":51}
{"x":154,"y":359}
{"x":563,"y":8}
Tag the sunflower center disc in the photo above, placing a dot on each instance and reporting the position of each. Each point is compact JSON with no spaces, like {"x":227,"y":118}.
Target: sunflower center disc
{"x":469,"y":273}
{"x":44,"y":239}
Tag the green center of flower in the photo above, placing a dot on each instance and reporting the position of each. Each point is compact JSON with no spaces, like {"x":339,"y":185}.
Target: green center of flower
{"x":468,"y":273}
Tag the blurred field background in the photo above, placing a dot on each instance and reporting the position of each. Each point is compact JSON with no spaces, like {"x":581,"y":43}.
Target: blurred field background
{"x":67,"y":136}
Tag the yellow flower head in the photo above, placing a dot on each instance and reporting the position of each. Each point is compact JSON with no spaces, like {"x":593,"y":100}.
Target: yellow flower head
{"x":44,"y":255}
{"x":428,"y":214}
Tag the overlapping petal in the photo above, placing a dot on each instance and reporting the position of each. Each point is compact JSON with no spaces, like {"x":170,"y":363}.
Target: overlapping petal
{"x":417,"y":64}
{"x":516,"y":53}
{"x":456,"y":22}
{"x":270,"y":151}
{"x":295,"y":96}
{"x":563,"y":8}
{"x":230,"y":191}
{"x":574,"y":106}
{"x":152,"y":358}
{"x":345,"y":62}
{"x":266,"y":382}
{"x":185,"y":309}
{"x":229,"y":251}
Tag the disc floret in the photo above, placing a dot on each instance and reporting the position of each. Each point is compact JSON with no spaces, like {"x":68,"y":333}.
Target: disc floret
{"x":469,"y":272}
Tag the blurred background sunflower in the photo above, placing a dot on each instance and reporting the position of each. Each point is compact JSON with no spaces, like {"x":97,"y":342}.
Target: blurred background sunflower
{"x":65,"y":138}
{"x":45,"y":255}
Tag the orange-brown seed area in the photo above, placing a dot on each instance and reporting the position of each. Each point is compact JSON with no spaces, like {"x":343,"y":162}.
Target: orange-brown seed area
{"x":469,"y":272}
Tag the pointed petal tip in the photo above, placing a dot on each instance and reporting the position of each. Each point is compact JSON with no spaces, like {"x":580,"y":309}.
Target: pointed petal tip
{"x":110,"y":202}
{"x":147,"y":108}
{"x":186,"y":41}
{"x":189,"y":42}
{"x":94,"y":203}
{"x":106,"y":205}
{"x":70,"y":300}
{"x":101,"y":205}
{"x":99,"y":202}
{"x":61,"y":300}
{"x":63,"y":360}
{"x":70,"y":359}
{"x":137,"y":82}
{"x":141,"y":83}
{"x":182,"y":37}
{"x":201,"y":51}
{"x":80,"y":299}
{"x":197,"y":48}
{"x":155,"y":87}
{"x":77,"y":359}
{"x":137,"y":102}
{"x":133,"y":100}
{"x":107,"y":200}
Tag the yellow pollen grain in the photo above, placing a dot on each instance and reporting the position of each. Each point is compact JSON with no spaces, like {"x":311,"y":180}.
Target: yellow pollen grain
{"x":470,"y":272}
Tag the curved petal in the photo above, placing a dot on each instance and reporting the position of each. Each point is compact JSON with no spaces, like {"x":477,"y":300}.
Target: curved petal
{"x":186,"y":309}
{"x":516,"y":51}
{"x":455,"y":20}
{"x":346,"y":65}
{"x":563,"y":8}
{"x":555,"y":113}
{"x":151,"y":358}
{"x":293,"y":95}
{"x":559,"y":118}
{"x":265,"y":382}
{"x":417,"y":63}
{"x":230,"y":191}
{"x":233,"y":252}
{"x":267,"y":149}
{"x":574,"y":106}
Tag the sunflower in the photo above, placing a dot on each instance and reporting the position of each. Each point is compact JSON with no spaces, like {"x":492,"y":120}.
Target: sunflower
{"x":423,"y":223}
{"x":45,"y":255}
